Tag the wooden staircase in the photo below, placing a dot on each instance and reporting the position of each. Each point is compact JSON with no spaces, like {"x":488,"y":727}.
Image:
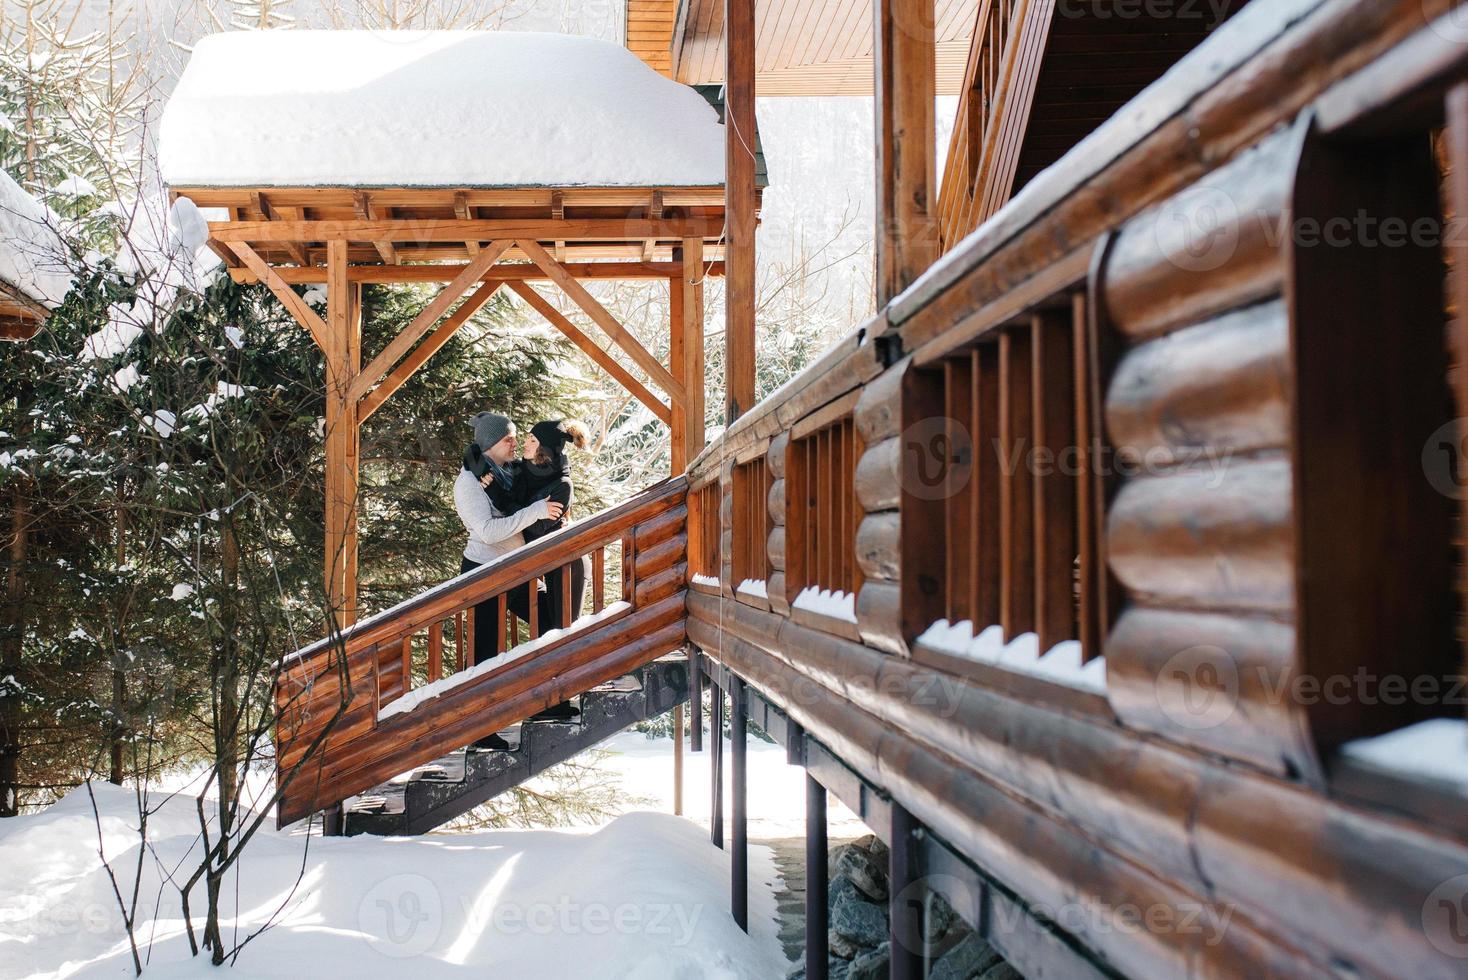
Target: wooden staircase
{"x":340,"y":733}
{"x":1043,"y":75}
{"x":456,"y":783}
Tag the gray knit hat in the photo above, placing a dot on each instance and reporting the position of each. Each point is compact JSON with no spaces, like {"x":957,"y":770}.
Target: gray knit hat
{"x":490,"y":428}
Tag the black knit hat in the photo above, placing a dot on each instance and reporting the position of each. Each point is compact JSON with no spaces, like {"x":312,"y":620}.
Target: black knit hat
{"x":551,"y":436}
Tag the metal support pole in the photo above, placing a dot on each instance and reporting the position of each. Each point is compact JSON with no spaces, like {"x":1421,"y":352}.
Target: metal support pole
{"x":817,"y":881}
{"x":738,"y":730}
{"x":904,"y":897}
{"x":678,"y":761}
{"x":695,"y":698}
{"x":716,"y":763}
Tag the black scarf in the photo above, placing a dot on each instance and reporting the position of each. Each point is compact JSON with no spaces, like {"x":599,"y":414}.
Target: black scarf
{"x":502,"y":491}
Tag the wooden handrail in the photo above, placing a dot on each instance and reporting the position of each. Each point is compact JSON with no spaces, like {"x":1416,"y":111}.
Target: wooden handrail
{"x":465,"y":591}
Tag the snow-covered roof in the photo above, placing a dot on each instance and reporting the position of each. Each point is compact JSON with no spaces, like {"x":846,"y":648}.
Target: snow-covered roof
{"x":432,"y":109}
{"x":33,"y":256}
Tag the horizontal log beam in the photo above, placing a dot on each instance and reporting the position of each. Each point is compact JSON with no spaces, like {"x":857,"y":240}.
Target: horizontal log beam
{"x":456,"y":230}
{"x":382,"y":275}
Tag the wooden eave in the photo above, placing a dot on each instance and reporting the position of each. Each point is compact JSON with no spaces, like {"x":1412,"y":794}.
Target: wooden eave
{"x":803,"y":48}
{"x":401,"y":227}
{"x":20,"y":316}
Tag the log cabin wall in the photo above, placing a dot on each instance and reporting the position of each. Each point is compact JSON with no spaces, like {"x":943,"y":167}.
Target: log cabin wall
{"x":1247,"y":509}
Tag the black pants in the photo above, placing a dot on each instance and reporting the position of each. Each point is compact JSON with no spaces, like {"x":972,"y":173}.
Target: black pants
{"x":548,"y":606}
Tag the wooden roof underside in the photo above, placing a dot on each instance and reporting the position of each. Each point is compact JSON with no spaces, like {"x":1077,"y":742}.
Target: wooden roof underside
{"x":20,"y":316}
{"x":397,"y":229}
{"x":803,"y":47}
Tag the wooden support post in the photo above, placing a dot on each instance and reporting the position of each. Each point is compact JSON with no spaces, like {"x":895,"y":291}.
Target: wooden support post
{"x":333,"y":823}
{"x":905,"y":903}
{"x":695,"y":696}
{"x":716,"y":763}
{"x":678,"y":760}
{"x":678,"y":423}
{"x":343,"y":360}
{"x":694,"y":383}
{"x":739,"y":883}
{"x":739,"y":205}
{"x":907,"y":228}
{"x":817,"y":881}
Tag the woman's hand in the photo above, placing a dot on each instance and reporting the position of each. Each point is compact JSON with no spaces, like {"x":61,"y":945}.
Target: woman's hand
{"x":554,"y":509}
{"x":486,"y":480}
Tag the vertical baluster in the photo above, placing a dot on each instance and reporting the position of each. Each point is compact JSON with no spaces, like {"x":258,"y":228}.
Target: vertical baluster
{"x":565,"y":574}
{"x":598,"y":578}
{"x":435,"y":651}
{"x":459,"y":618}
{"x":533,"y":608}
{"x":407,"y":663}
{"x":499,"y":623}
{"x":469,"y":637}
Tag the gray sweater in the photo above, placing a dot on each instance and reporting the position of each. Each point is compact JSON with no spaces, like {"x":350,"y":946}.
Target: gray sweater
{"x":491,"y":534}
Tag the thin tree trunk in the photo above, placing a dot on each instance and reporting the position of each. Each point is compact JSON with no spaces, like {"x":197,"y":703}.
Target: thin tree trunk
{"x":119,"y":680}
{"x":226,"y":733}
{"x":10,"y":653}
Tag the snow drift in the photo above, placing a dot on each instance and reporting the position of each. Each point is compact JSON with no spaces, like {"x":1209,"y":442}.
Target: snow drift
{"x":646,"y":896}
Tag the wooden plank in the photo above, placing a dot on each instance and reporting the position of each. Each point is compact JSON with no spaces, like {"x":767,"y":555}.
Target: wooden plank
{"x":1053,"y":410}
{"x":443,"y":272}
{"x":959,"y":584}
{"x":293,"y":303}
{"x":374,"y":399}
{"x":464,"y":212}
{"x":907,"y":228}
{"x":367,"y":211}
{"x":984,"y":551}
{"x":604,"y":319}
{"x":598,"y":578}
{"x":435,"y":652}
{"x":427,"y":319}
{"x":452,"y":230}
{"x":260,"y":204}
{"x":678,"y":423}
{"x":1017,"y":486}
{"x":1456,"y":144}
{"x":695,"y":382}
{"x":593,"y":350}
{"x":742,"y":203}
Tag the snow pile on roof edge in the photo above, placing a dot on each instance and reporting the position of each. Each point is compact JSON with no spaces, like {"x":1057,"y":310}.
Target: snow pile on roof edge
{"x":432,"y":109}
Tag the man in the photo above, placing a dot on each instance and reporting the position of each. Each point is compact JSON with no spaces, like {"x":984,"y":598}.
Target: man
{"x":491,"y":532}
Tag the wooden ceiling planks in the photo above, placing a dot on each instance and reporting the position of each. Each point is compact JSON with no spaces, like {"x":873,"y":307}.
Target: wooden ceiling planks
{"x":807,"y":47}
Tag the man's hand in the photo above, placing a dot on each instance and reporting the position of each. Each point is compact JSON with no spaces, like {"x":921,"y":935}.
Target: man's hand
{"x":554,"y":509}
{"x":486,"y":480}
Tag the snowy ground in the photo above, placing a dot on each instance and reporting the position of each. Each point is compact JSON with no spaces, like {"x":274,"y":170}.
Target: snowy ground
{"x":642,"y":896}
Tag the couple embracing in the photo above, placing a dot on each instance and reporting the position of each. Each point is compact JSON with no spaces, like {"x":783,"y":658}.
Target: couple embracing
{"x":506,"y":502}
